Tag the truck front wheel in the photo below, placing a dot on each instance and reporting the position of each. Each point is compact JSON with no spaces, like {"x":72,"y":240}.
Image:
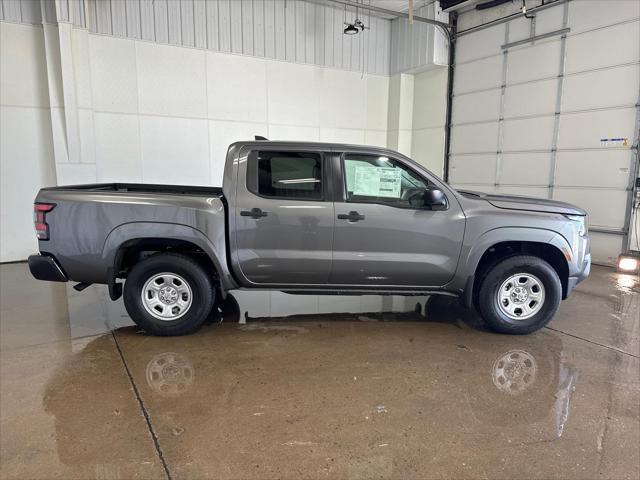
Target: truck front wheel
{"x":169,"y":294}
{"x":519,"y":295}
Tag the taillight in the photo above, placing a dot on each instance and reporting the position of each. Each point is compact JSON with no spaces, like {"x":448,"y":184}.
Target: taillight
{"x":40,"y":211}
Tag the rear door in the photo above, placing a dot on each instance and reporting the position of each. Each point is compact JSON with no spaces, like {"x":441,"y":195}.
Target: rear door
{"x":381,"y":237}
{"x":284,"y":217}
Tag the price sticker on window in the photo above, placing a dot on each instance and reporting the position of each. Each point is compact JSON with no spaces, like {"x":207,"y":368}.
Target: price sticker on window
{"x":378,"y":182}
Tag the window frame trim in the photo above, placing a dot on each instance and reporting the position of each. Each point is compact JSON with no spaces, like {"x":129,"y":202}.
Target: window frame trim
{"x":325,"y":192}
{"x":345,"y":192}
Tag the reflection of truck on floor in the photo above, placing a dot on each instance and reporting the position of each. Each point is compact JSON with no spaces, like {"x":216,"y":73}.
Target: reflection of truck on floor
{"x":312,"y":218}
{"x":459,"y":402}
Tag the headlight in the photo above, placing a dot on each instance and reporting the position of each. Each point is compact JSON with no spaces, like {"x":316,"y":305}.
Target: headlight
{"x":582,"y":220}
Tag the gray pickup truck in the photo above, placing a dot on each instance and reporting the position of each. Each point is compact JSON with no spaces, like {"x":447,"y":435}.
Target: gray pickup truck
{"x":312,"y":218}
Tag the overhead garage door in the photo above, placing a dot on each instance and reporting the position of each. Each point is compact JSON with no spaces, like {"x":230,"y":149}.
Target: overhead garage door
{"x":555,"y":118}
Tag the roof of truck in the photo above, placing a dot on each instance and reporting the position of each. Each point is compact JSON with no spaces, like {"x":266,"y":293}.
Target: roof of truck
{"x":323,"y":145}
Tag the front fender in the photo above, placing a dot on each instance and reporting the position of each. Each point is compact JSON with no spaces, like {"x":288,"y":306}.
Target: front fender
{"x":140,"y":230}
{"x":474,"y":252}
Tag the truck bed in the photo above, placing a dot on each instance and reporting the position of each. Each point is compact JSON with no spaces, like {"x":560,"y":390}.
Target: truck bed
{"x":88,"y":224}
{"x":140,"y":188}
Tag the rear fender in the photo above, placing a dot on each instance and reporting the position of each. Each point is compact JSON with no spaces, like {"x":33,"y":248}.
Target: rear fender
{"x":140,"y":230}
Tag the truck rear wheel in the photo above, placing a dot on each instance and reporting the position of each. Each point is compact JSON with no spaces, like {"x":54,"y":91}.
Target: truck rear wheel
{"x":169,"y":294}
{"x":519,"y":295}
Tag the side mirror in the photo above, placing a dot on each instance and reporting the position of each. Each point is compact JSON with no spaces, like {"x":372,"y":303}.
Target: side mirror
{"x":435,"y":199}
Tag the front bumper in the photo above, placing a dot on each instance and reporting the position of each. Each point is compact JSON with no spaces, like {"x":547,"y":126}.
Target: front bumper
{"x":44,"y":267}
{"x":584,"y":273}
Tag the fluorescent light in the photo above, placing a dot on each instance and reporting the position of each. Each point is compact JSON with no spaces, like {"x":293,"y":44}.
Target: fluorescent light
{"x":300,"y":180}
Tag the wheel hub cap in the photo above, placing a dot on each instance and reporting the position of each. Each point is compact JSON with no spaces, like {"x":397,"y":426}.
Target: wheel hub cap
{"x":521,"y":296}
{"x":166,"y":296}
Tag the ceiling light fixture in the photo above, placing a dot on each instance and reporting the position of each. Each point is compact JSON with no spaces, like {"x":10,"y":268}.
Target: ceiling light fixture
{"x":350,"y":29}
{"x":353,"y":28}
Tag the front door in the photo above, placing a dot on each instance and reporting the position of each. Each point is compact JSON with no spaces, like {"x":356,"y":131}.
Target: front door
{"x":284,"y":219}
{"x":383,"y":234}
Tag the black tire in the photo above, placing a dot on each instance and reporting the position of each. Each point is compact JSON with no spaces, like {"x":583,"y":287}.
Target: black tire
{"x":199,"y":281}
{"x":488,"y":302}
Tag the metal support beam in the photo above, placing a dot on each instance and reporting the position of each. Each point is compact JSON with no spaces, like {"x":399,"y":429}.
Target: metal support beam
{"x":503,"y":95}
{"x":608,"y":231}
{"x":453,"y":17}
{"x":558,"y":106}
{"x":632,"y":213}
{"x":562,"y":31}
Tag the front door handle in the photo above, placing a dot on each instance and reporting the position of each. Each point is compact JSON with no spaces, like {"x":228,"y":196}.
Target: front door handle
{"x":351,"y":216}
{"x":253,"y":213}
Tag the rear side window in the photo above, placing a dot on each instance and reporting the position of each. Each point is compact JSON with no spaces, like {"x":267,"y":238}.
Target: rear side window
{"x":289,"y":175}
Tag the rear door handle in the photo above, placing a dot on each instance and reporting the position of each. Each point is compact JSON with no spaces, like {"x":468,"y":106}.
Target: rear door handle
{"x":351,"y":216}
{"x":253,"y":213}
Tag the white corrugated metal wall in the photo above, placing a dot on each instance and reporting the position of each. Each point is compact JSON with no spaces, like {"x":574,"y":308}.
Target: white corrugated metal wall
{"x":290,"y":30}
{"x":553,"y":118}
{"x":277,"y":29}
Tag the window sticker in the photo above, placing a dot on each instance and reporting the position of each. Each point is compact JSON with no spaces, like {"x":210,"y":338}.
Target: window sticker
{"x":377,"y":182}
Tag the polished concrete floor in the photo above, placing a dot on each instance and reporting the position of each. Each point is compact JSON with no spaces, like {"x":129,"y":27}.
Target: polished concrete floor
{"x":412,"y":392}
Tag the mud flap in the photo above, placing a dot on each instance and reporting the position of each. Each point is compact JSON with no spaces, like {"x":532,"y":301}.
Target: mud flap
{"x":115,"y":288}
{"x":467,"y":295}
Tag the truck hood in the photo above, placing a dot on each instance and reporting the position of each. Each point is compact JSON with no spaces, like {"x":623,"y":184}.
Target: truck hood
{"x":515,"y":202}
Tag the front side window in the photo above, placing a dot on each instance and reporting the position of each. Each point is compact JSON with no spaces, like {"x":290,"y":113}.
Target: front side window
{"x":295,"y":175}
{"x":379,"y":179}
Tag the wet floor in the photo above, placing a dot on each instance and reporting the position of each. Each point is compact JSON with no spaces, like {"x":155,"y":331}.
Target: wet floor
{"x":347,"y":387}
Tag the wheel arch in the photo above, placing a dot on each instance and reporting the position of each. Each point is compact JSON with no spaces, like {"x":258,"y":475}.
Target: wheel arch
{"x":502,"y":243}
{"x":126,"y":243}
{"x":547,"y":252}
